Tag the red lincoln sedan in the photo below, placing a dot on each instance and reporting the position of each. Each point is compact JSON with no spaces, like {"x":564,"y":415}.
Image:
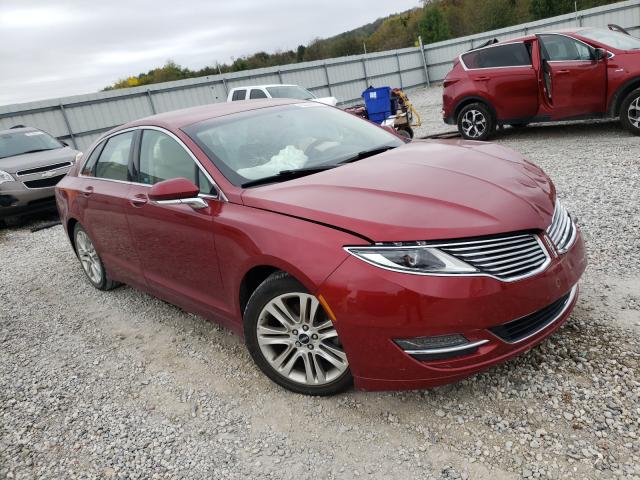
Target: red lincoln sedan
{"x":339,"y":252}
{"x":573,"y":74}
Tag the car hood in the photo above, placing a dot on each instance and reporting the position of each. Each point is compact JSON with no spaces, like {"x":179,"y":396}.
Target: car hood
{"x":331,"y":101}
{"x":38,"y":159}
{"x":425,"y":190}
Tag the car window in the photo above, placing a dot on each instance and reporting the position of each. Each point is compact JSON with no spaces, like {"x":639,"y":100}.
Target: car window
{"x":612,"y":39}
{"x":87,"y":169}
{"x":558,"y":48}
{"x":290,"y":91}
{"x":239,"y":94}
{"x":26,"y":141}
{"x":511,"y":55}
{"x":257,"y":93}
{"x":113,"y":163}
{"x":162,"y":158}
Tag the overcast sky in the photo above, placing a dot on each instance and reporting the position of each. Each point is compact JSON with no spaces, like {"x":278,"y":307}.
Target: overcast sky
{"x":53,"y":48}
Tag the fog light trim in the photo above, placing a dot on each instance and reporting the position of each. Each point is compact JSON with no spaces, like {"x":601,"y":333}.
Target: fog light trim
{"x":439,"y":347}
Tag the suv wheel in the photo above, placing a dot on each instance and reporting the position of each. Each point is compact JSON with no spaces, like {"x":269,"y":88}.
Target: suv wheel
{"x":476,"y":122}
{"x":292,"y":339}
{"x":630,"y":112}
{"x":90,"y":260}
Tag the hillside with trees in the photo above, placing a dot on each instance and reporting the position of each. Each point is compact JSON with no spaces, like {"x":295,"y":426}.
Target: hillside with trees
{"x":436,"y":20}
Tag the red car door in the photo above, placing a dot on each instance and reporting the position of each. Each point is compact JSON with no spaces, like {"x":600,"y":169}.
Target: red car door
{"x":576,"y":82}
{"x":175,"y":243}
{"x":505,"y":76}
{"x":104,"y":190}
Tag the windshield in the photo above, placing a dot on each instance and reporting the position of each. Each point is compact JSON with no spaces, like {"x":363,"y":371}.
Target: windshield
{"x":20,"y":142}
{"x":290,"y":91}
{"x":613,"y":39}
{"x":262,"y":143}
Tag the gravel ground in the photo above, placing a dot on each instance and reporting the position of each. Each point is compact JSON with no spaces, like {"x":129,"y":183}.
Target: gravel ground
{"x":122,"y":385}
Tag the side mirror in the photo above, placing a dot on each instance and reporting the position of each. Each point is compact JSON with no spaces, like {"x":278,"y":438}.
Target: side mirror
{"x":600,"y":53}
{"x":173,"y":189}
{"x":177,"y":191}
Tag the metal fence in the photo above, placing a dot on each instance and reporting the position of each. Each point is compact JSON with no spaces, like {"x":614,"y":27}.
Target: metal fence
{"x":80,"y":119}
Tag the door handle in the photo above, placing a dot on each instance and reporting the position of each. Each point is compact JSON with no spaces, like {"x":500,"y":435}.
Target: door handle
{"x":483,"y":79}
{"x":139,"y":200}
{"x":87,"y":191}
{"x":562,"y":72}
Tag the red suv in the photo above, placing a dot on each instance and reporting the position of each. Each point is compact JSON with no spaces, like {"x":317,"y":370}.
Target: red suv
{"x":577,"y":74}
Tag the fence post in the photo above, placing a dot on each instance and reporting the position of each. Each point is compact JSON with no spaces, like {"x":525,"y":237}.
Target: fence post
{"x":424,"y":62}
{"x":326,"y":74}
{"x":153,"y":107}
{"x":399,"y":70}
{"x":66,"y":121}
{"x":279,"y":76}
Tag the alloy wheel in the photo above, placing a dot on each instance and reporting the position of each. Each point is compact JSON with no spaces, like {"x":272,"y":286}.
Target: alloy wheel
{"x":299,"y":341}
{"x":474,"y":123}
{"x":634,"y":113}
{"x":88,"y":257}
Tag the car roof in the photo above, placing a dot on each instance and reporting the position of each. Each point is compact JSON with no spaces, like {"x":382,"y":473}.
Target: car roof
{"x":562,"y":31}
{"x":180,"y":118}
{"x":18,"y":130}
{"x":245,"y":87}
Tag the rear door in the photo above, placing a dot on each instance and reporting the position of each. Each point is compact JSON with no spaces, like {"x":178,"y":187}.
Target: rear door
{"x":175,"y":243}
{"x":575,"y":82}
{"x":504,"y":75}
{"x":103,"y":196}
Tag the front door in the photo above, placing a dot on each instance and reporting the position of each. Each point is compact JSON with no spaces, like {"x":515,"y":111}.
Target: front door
{"x":575,"y":82}
{"x":175,"y":243}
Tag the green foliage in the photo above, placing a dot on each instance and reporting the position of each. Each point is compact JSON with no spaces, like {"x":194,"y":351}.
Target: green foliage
{"x":434,"y":26}
{"x":436,"y":20}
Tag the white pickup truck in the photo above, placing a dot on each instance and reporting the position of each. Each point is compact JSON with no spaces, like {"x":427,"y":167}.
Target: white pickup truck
{"x":277,"y":91}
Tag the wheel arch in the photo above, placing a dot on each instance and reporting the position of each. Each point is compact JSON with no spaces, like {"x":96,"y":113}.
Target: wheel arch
{"x":257,"y":274}
{"x":71,"y":225}
{"x":473,"y":99}
{"x":621,"y":93}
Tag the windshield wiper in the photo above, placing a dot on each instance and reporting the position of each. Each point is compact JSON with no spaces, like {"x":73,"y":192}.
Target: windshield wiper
{"x":368,"y":153}
{"x":283,"y":175}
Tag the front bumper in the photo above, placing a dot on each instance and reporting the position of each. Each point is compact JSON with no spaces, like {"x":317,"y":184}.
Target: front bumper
{"x":373,"y":307}
{"x":16,"y":198}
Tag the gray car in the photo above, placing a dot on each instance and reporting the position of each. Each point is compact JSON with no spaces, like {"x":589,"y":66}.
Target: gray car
{"x":32,"y":162}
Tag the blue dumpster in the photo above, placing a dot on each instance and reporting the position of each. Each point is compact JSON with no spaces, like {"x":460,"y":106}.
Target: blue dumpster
{"x":378,"y":103}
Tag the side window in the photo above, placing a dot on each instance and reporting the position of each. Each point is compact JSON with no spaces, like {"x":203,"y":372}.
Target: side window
{"x":87,"y":169}
{"x":257,"y":93}
{"x":162,"y":158}
{"x":114,"y":159}
{"x":558,"y":48}
{"x":511,"y":55}
{"x":239,"y":95}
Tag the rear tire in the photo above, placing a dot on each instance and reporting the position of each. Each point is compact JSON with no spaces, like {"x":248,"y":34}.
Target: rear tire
{"x":292,"y":339}
{"x":90,"y":260}
{"x":630,"y":112}
{"x":476,"y":122}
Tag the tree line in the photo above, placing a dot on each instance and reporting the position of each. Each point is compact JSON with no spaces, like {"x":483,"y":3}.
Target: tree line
{"x":434,"y":21}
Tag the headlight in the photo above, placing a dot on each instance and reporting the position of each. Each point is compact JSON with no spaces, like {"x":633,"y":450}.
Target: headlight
{"x":5,"y":177}
{"x":78,"y":157}
{"x":418,"y":259}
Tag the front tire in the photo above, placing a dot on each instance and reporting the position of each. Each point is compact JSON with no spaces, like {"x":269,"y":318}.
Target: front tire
{"x":90,"y":260}
{"x":292,"y":339}
{"x":630,"y":112}
{"x":476,"y":122}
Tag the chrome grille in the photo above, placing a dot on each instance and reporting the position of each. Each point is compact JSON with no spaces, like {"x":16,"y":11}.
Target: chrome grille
{"x":44,"y":168}
{"x":507,"y":257}
{"x":562,"y":230}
